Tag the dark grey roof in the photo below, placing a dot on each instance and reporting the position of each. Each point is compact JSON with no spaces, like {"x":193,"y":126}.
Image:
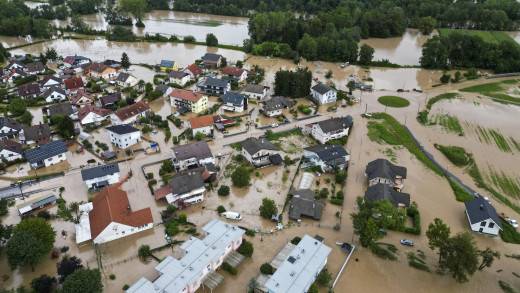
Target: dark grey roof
{"x":37,"y":132}
{"x":212,"y":57}
{"x":11,"y":123}
{"x":254,"y":88}
{"x":29,"y":89}
{"x":233,"y":98}
{"x":11,"y":145}
{"x":335,"y":124}
{"x":322,"y":88}
{"x":35,"y":66}
{"x":122,"y":129}
{"x":278,"y":102}
{"x":303,"y":203}
{"x":99,"y":171}
{"x":110,"y":99}
{"x":479,"y":210}
{"x":327,"y":152}
{"x":64,"y":109}
{"x":186,"y":182}
{"x":252,"y":145}
{"x":51,"y":77}
{"x":382,"y":191}
{"x":382,"y":168}
{"x":53,"y":89}
{"x":162,"y":88}
{"x":45,"y":151}
{"x":199,"y":150}
{"x":215,"y":82}
{"x":123,"y":76}
{"x":276,"y":159}
{"x":177,"y":74}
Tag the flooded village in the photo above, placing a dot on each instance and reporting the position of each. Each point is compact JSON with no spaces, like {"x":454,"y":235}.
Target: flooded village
{"x":180,"y":167}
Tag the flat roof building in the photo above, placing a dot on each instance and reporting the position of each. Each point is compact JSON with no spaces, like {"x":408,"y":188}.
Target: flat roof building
{"x":299,"y":270}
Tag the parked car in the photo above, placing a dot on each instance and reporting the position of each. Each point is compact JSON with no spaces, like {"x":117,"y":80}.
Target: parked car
{"x":232,"y":216}
{"x":512,"y":222}
{"x":406,"y":242}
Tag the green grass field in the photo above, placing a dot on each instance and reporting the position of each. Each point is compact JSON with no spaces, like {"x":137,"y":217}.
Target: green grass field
{"x":448,"y":122}
{"x":488,"y":36}
{"x":495,"y":90}
{"x":455,"y":154}
{"x":393,"y":101}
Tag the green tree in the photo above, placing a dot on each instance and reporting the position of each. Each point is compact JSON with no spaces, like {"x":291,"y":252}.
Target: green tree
{"x":445,"y":77}
{"x":438,"y":234}
{"x":460,"y":257}
{"x":67,"y":266}
{"x":324,"y":277}
{"x":43,"y":284}
{"x":64,"y":125}
{"x":51,"y":54}
{"x":488,"y":257}
{"x":241,"y":177}
{"x":125,"y":61}
{"x":223,"y":190}
{"x":136,"y":8}
{"x":4,"y":207}
{"x":366,"y":54}
{"x":211,"y":40}
{"x":426,"y":25}
{"x":17,"y":107}
{"x":31,"y":241}
{"x":246,"y":248}
{"x":144,"y":252}
{"x":267,"y":269}
{"x":268,"y":208}
{"x":83,"y":281}
{"x":364,"y":224}
{"x":26,"y":118}
{"x":351,"y":85}
{"x":308,"y":47}
{"x":221,"y":209}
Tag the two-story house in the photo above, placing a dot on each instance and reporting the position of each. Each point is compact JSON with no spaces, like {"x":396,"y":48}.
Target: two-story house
{"x":192,"y":155}
{"x":236,"y":73}
{"x":124,"y":135}
{"x":274,"y":106}
{"x":202,"y":124}
{"x":188,"y":101}
{"x":330,"y":129}
{"x":260,"y":152}
{"x":180,"y":78}
{"x":255,"y":92}
{"x":483,"y":217}
{"x":323,"y":94}
{"x":327,"y":157}
{"x":214,"y":86}
{"x":100,"y":176}
{"x":130,"y":113}
{"x":234,"y":102}
{"x":47,"y":155}
{"x":183,"y":190}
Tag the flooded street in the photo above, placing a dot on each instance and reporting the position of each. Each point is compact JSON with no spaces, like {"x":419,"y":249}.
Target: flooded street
{"x":404,"y":50}
{"x":229,"y":30}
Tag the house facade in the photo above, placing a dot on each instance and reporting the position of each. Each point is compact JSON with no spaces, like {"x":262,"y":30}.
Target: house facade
{"x":9,"y":128}
{"x":482,"y":217}
{"x":54,"y":94}
{"x":124,"y":135}
{"x":212,"y":60}
{"x":255,"y":92}
{"x":323,"y":94}
{"x":183,"y":190}
{"x":193,"y":155}
{"x":330,"y":129}
{"x":327,"y":157}
{"x":100,"y":176}
{"x":260,"y":152}
{"x":234,"y":102}
{"x":204,"y":256}
{"x":179,"y":77}
{"x":47,"y":155}
{"x":93,"y":115}
{"x":384,"y":172}
{"x":274,"y":107}
{"x":214,"y":86}
{"x":236,"y":73}
{"x":202,"y":124}
{"x":10,"y":150}
{"x":188,"y":101}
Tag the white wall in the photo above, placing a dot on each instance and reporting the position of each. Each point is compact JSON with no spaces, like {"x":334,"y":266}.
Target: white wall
{"x":112,"y":179}
{"x":125,"y":140}
{"x":116,"y":230}
{"x":205,"y":130}
{"x":9,"y":155}
{"x":322,"y":137}
{"x":328,"y":97}
{"x":487,"y":226}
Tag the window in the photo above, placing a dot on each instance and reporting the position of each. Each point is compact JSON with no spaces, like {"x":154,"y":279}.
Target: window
{"x":483,"y":224}
{"x":491,"y":225}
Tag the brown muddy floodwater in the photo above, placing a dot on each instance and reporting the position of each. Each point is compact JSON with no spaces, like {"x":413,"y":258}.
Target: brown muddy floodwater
{"x":404,"y":50}
{"x":229,"y":30}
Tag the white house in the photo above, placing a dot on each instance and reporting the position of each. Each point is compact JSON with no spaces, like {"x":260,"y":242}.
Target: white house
{"x":323,"y":94}
{"x":183,"y":190}
{"x":109,"y":217}
{"x":126,"y":80}
{"x":100,"y":176}
{"x":274,"y":107}
{"x":201,"y":257}
{"x":299,"y":269}
{"x":326,"y":157}
{"x":93,"y":115}
{"x":193,"y":155}
{"x":234,"y":102}
{"x":261,"y":152}
{"x":130,"y":113}
{"x":179,"y":77}
{"x":9,"y":127}
{"x":47,"y":155}
{"x":330,"y":129}
{"x":124,"y":135}
{"x":482,"y":216}
{"x":10,"y":150}
{"x":255,"y":92}
{"x":202,"y":124}
{"x":54,"y":94}
{"x":238,"y":74}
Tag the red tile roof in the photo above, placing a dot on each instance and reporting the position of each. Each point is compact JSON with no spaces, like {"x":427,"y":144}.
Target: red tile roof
{"x":83,"y":111}
{"x":162,"y":192}
{"x":132,"y":110}
{"x":74,"y":83}
{"x":194,"y":69}
{"x":186,"y":95}
{"x":111,"y":205}
{"x":233,"y":71}
{"x":201,"y":121}
{"x":97,"y":67}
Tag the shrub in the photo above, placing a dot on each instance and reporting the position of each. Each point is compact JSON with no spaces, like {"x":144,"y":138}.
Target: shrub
{"x":144,"y":252}
{"x":324,"y":278}
{"x":246,"y":249}
{"x":250,"y":233}
{"x":296,"y":240}
{"x":267,"y":269}
{"x":341,"y":176}
{"x":223,"y":190}
{"x":228,"y":268}
{"x":112,"y":277}
{"x":221,"y":209}
{"x":126,"y":287}
{"x":241,"y":177}
{"x":268,"y":208}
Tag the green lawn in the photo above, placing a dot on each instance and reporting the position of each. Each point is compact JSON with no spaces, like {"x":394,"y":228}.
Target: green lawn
{"x":484,"y":88}
{"x":455,"y":154}
{"x":488,"y":36}
{"x":495,"y":90}
{"x":393,"y":101}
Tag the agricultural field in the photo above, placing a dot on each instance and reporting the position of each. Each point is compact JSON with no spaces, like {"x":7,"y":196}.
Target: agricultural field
{"x":488,"y":36}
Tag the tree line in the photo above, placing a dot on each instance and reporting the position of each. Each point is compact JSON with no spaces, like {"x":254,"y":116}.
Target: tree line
{"x":461,"y":50}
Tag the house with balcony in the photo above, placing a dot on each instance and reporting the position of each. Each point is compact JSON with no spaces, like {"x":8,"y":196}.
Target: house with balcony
{"x":382,"y":171}
{"x":198,"y":263}
{"x":261,"y":152}
{"x":54,"y":94}
{"x":214,"y":86}
{"x":330,"y":129}
{"x":192,"y":155}
{"x":184,"y":189}
{"x":100,"y":176}
{"x":179,"y":77}
{"x":327,"y":157}
{"x":274,"y":107}
{"x":188,"y":101}
{"x":236,"y":73}
{"x":212,"y":60}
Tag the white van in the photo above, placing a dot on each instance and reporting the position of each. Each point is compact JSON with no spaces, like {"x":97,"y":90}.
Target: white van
{"x":232,"y":216}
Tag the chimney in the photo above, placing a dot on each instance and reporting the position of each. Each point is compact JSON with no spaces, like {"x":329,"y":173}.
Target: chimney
{"x":481,"y":207}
